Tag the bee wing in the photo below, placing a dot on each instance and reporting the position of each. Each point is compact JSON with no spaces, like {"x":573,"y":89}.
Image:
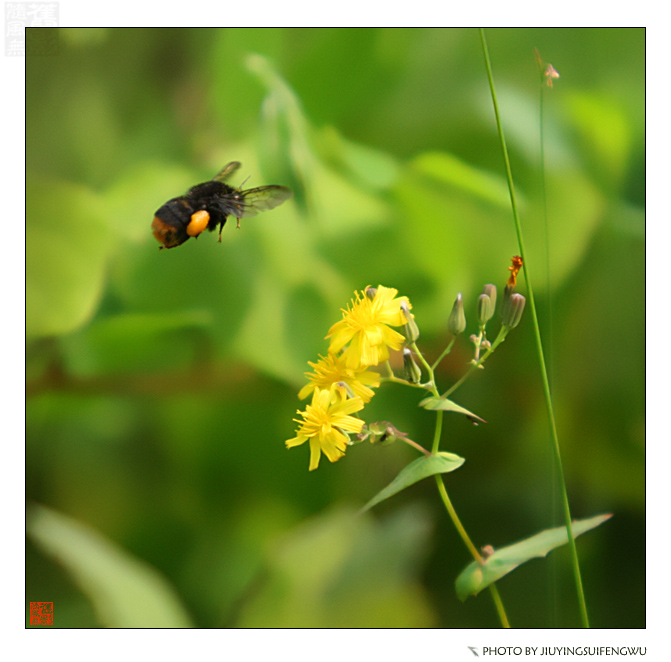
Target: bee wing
{"x":262,"y":198}
{"x":226,"y":171}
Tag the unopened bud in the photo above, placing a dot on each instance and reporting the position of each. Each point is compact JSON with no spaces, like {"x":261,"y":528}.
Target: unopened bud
{"x":411,"y":370}
{"x":485,"y":309}
{"x":456,"y":322}
{"x":512,"y":310}
{"x":410,"y":330}
{"x":490,"y":291}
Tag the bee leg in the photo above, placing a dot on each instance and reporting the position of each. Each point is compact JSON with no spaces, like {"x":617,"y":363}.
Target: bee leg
{"x":238,"y":220}
{"x":221,"y":220}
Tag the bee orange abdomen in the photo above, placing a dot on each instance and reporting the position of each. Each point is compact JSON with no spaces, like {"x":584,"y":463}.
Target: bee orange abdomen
{"x":165,"y":234}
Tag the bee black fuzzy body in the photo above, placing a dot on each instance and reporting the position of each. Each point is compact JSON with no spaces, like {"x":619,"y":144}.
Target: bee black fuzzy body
{"x":208,"y":206}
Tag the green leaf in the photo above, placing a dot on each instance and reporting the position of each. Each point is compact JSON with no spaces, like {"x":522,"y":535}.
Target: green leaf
{"x":423,"y":467}
{"x":606,"y":130}
{"x":434,"y":403}
{"x":125,"y":592}
{"x":337,"y":570}
{"x":448,"y":169}
{"x":133,"y":342}
{"x":68,"y":242}
{"x":367,"y":165}
{"x":476,"y":577}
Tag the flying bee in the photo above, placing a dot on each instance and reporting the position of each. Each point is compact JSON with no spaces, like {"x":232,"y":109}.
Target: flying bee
{"x":208,"y":205}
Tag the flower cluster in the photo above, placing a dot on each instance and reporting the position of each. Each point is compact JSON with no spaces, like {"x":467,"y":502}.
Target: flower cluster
{"x":341,"y":382}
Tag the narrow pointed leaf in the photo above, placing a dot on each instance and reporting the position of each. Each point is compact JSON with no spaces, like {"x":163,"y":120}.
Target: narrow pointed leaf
{"x":434,"y":403}
{"x":422,"y":467}
{"x":125,"y":591}
{"x":476,"y":577}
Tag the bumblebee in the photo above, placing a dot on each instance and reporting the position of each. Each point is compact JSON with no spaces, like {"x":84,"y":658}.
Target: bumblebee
{"x":208,"y":205}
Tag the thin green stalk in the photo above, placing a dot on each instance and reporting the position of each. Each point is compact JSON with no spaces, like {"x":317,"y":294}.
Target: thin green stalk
{"x":546,"y":224}
{"x":414,"y":444}
{"x":391,"y":377}
{"x":498,"y":603}
{"x":437,"y":432}
{"x":474,"y":366}
{"x":446,"y":351}
{"x":539,"y":346}
{"x":428,"y":368}
{"x":549,"y":324}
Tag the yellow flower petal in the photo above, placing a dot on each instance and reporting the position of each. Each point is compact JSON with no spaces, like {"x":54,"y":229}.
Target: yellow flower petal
{"x":332,"y":369}
{"x":296,"y":441}
{"x":325,"y":424}
{"x":365,"y":328}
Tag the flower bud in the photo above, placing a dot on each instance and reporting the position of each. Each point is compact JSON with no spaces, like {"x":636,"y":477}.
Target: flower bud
{"x":411,"y":371}
{"x":485,"y":309}
{"x":490,"y":291}
{"x":410,"y":330}
{"x":456,"y":322}
{"x":512,"y":310}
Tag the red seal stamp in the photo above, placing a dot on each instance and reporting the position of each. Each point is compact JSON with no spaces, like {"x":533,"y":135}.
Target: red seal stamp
{"x":41,"y":613}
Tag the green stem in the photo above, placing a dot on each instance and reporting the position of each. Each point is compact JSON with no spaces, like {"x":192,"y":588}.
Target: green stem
{"x":427,"y":367}
{"x":460,"y":527}
{"x":437,"y":432}
{"x":470,"y":546}
{"x":474,"y":366}
{"x":439,"y":481}
{"x":415,"y":445}
{"x":549,"y":322}
{"x":391,"y":377}
{"x":446,"y":351}
{"x":539,"y":347}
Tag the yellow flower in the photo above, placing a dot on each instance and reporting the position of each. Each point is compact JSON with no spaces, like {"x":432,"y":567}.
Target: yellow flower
{"x":324,"y":425}
{"x":332,"y":369}
{"x":365,"y":328}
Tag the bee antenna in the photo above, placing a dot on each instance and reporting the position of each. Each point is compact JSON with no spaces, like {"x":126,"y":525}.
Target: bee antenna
{"x":243,"y":183}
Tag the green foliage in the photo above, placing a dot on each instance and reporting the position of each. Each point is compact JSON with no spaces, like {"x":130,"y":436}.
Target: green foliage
{"x":125,"y":592}
{"x":68,"y":243}
{"x":342,"y":571}
{"x":159,"y":381}
{"x":421,"y":468}
{"x":130,"y":342}
{"x":478,"y":576}
{"x":433,"y":403}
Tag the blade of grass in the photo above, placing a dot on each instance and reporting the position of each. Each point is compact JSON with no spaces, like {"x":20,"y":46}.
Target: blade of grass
{"x":539,"y":345}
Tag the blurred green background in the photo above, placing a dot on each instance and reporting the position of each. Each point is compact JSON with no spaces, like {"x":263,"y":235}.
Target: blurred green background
{"x":162,"y":384}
